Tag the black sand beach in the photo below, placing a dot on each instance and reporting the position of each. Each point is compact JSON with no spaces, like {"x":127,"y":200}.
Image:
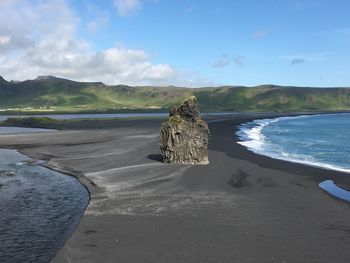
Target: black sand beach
{"x":242,"y":207}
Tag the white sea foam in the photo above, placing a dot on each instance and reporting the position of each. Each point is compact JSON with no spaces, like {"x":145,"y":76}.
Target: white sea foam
{"x":251,"y":134}
{"x":252,"y":137}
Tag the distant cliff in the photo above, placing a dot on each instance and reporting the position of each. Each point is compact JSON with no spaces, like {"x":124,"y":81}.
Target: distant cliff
{"x":57,"y":94}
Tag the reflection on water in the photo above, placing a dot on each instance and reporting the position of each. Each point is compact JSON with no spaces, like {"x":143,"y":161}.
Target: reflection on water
{"x":335,"y":190}
{"x":39,"y":209}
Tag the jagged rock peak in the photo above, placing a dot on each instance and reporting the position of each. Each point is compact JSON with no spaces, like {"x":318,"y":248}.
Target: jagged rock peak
{"x":188,"y":110}
{"x":184,"y":136}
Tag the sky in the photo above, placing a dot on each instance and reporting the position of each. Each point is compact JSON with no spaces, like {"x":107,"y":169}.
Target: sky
{"x":188,"y":43}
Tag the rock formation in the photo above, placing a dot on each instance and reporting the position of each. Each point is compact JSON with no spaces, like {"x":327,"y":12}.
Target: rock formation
{"x":184,"y":136}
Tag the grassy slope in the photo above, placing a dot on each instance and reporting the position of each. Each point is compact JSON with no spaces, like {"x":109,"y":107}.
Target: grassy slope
{"x":66,"y":95}
{"x":272,"y":98}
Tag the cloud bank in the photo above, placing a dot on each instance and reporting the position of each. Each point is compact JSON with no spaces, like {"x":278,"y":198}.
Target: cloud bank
{"x":40,"y":38}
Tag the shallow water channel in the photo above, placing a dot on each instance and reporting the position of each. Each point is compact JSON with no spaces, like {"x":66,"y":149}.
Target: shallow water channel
{"x":39,"y":209}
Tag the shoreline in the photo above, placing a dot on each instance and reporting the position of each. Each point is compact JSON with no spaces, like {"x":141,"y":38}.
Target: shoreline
{"x":339,"y":171}
{"x":243,"y":141}
{"x":184,"y":185}
{"x":24,"y":166}
{"x":287,"y":163}
{"x":91,"y":186}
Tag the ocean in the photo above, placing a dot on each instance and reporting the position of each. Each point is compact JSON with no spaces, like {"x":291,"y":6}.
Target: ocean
{"x":318,"y":140}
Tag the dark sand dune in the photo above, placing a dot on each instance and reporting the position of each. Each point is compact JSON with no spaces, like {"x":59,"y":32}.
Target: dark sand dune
{"x":240,"y":208}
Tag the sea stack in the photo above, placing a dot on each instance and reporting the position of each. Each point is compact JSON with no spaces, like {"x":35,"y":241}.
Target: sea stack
{"x":184,"y":136}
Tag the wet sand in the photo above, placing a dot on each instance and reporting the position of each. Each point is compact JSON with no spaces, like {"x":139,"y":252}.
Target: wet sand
{"x":242,"y":207}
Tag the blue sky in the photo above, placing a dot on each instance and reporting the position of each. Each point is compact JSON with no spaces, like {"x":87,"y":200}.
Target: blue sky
{"x":182,"y":42}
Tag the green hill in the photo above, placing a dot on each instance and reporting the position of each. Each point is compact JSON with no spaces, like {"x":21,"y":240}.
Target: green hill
{"x":49,"y":93}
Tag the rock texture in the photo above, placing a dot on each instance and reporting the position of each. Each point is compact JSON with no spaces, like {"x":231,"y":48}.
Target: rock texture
{"x":184,"y":136}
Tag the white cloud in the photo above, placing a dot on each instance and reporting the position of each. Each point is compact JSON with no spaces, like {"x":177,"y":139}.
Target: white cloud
{"x":225,"y":60}
{"x":4,"y":40}
{"x":303,"y":58}
{"x":40,"y":38}
{"x":127,"y":7}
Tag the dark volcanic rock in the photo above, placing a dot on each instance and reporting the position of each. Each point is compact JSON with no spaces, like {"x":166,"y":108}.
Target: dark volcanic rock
{"x":184,"y":136}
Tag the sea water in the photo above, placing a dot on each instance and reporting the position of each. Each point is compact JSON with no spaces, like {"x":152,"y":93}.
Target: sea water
{"x":316,"y":140}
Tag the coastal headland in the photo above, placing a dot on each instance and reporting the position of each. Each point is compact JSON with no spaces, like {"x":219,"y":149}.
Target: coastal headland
{"x":242,"y":207}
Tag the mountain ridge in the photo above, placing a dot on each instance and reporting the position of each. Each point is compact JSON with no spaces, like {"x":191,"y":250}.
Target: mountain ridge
{"x":59,"y":94}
